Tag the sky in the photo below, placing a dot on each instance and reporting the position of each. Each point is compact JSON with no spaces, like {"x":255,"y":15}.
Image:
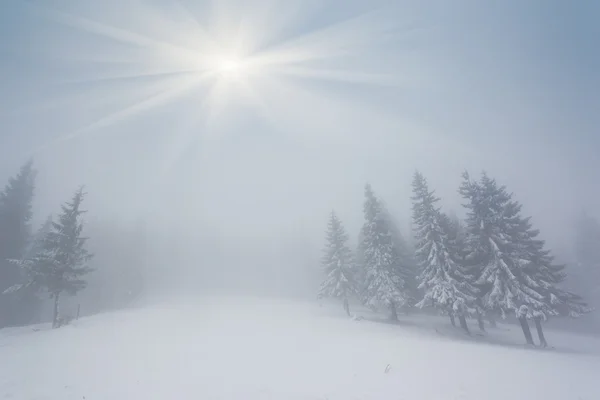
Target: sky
{"x":139,"y":101}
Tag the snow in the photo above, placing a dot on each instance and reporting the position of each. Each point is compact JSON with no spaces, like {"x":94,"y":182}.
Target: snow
{"x":251,"y":348}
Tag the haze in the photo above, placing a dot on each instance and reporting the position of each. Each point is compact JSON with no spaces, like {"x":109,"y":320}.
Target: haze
{"x":214,"y":138}
{"x":99,"y":93}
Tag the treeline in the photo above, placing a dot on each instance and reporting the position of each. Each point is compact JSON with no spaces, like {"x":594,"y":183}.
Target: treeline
{"x":491,"y":264}
{"x":50,"y":262}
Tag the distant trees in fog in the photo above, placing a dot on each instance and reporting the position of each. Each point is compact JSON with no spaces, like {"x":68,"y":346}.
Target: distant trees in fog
{"x":61,"y":262}
{"x":492,"y":264}
{"x":16,"y":307}
{"x":55,"y":260}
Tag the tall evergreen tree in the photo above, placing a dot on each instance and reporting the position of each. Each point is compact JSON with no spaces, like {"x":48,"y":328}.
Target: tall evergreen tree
{"x":338,"y":264}
{"x":445,"y":282}
{"x":385,"y":278}
{"x":61,"y":263}
{"x":496,"y":231}
{"x":15,"y":234}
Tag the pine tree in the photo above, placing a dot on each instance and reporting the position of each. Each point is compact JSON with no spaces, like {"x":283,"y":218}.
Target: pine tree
{"x":498,"y":236}
{"x":338,"y":264}
{"x":445,"y":282}
{"x":385,"y":278}
{"x":61,"y":264}
{"x":15,"y":234}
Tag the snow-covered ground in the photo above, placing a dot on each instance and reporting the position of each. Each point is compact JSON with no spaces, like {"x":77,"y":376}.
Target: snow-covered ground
{"x":250,"y":349}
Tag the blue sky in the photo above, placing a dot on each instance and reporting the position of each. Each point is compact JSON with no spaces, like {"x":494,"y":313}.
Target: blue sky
{"x":507,"y":86}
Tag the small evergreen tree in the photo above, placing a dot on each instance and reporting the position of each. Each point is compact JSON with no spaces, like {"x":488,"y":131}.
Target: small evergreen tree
{"x":15,"y":234}
{"x":445,"y":282}
{"x":338,"y":264}
{"x":61,"y":263}
{"x":385,"y":278}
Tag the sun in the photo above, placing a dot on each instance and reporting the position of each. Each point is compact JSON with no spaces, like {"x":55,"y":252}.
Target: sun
{"x":231,"y":57}
{"x":231,"y":67}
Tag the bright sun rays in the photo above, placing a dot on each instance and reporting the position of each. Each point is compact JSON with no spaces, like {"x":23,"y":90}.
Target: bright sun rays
{"x":231,"y":67}
{"x":222,"y":55}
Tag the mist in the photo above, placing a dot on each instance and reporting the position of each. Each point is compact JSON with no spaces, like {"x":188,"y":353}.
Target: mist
{"x":245,"y":192}
{"x":242,"y":187}
{"x":438,"y":88}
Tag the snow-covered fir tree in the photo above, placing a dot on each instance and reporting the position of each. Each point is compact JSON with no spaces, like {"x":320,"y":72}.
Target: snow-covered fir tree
{"x":385,"y":278}
{"x":16,"y":307}
{"x":510,"y":262}
{"x":61,"y":263}
{"x":446,"y":284}
{"x":491,"y":239}
{"x":338,"y":264}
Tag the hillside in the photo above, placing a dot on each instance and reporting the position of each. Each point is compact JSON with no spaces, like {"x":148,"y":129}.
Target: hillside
{"x":248,"y":348}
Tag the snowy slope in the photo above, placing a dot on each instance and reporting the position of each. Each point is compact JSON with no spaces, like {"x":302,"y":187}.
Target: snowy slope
{"x":257,"y":349}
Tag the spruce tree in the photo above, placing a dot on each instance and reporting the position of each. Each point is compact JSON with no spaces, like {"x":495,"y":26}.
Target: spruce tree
{"x":15,"y":234}
{"x":338,"y":264}
{"x":496,"y":238}
{"x":445,"y":283}
{"x":61,"y":264}
{"x":385,"y":277}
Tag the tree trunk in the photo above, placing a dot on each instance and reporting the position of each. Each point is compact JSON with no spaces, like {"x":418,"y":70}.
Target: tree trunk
{"x":55,"y":313}
{"x":480,"y":322}
{"x":540,"y":331}
{"x":394,"y":314}
{"x":492,"y":321}
{"x":526,"y":330}
{"x":452,"y":321}
{"x":463,"y":323}
{"x":347,"y":306}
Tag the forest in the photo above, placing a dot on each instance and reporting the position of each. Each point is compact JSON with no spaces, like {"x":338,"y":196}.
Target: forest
{"x":490,"y":264}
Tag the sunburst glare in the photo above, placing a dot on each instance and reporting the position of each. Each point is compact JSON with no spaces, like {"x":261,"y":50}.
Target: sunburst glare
{"x":234,"y":56}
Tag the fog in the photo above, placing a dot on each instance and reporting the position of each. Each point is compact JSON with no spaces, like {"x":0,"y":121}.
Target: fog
{"x":226,"y":184}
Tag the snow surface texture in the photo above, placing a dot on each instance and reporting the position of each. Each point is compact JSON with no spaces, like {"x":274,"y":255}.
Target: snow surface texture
{"x":258,"y":349}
